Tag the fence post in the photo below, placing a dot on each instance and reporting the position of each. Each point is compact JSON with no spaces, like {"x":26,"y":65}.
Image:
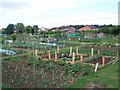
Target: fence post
{"x":55,"y":55}
{"x":103,"y":60}
{"x":117,"y":55}
{"x":91,"y":51}
{"x":36,"y":51}
{"x":58,"y":50}
{"x":81,"y":58}
{"x":73,"y":57}
{"x":70,"y":51}
{"x":76,"y":50}
{"x":98,"y":51}
{"x":49,"y":56}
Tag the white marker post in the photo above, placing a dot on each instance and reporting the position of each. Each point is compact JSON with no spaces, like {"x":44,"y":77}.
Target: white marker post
{"x":91,"y":51}
{"x":96,"y":67}
{"x":73,"y":58}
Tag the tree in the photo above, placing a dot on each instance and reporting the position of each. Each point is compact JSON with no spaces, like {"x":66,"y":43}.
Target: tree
{"x":115,"y":30}
{"x":20,"y":27}
{"x":10,"y":29}
{"x":35,"y":28}
{"x":28,"y":29}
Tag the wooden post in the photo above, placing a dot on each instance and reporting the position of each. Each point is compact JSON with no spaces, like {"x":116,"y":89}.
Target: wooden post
{"x":55,"y":55}
{"x":81,"y":58}
{"x":73,"y":57}
{"x":91,"y":51}
{"x":98,"y":51}
{"x":9,"y":44}
{"x":58,"y":49}
{"x":117,"y":55}
{"x":49,"y":56}
{"x":103,"y":60}
{"x":70,"y":51}
{"x":36,"y":52}
{"x":76,"y":50}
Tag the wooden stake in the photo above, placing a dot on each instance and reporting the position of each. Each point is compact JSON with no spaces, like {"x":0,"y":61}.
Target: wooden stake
{"x":70,"y":51}
{"x":103,"y":60}
{"x":117,"y":55}
{"x":55,"y":55}
{"x":98,"y":51}
{"x":76,"y":50}
{"x":36,"y":52}
{"x":91,"y":51}
{"x":81,"y":58}
{"x":49,"y":56}
{"x":58,"y":49}
{"x":73,"y":57}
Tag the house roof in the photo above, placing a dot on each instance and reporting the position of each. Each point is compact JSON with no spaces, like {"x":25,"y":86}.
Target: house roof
{"x":88,"y":27}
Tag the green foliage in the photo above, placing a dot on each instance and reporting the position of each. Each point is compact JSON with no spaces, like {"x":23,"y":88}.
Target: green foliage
{"x":114,"y":30}
{"x":92,"y":58}
{"x":87,"y":69}
{"x":61,"y":62}
{"x":77,"y":67}
{"x":10,"y":29}
{"x":28,"y":29}
{"x":20,"y":27}
{"x":13,"y":37}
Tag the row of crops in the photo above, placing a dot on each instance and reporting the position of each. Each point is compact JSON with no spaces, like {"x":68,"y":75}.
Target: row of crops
{"x":26,"y":72}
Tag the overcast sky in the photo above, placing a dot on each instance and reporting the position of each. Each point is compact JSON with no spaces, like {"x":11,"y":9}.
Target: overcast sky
{"x":51,"y":13}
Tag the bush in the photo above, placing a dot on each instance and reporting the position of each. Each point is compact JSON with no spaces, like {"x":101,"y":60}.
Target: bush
{"x":86,"y":69}
{"x":61,"y":62}
{"x":77,"y":67}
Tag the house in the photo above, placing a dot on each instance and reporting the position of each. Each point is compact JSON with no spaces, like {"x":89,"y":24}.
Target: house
{"x":100,"y":35}
{"x":70,"y":30}
{"x":88,"y":27}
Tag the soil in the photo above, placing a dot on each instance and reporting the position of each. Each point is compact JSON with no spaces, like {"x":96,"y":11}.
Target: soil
{"x":99,"y":60}
{"x":19,"y":74}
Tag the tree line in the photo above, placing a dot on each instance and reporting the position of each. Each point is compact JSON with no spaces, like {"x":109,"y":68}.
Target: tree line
{"x":20,"y":28}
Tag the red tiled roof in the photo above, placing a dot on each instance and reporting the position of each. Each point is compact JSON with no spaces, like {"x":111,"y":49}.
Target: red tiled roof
{"x":87,"y":28}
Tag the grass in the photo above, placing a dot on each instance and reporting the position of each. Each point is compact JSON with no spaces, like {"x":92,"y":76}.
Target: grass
{"x":106,"y":76}
{"x":106,"y":39}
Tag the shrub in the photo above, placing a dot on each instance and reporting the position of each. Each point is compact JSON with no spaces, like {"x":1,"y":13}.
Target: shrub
{"x":77,"y":67}
{"x":86,"y":69}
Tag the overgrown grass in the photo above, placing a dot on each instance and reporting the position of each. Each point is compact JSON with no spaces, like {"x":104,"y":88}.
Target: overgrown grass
{"x":106,"y":76}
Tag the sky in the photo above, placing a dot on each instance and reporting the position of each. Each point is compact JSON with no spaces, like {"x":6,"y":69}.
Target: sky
{"x":54,"y":13}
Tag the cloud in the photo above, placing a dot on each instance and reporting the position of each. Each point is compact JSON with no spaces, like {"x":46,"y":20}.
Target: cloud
{"x":12,"y":5}
{"x":50,"y":13}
